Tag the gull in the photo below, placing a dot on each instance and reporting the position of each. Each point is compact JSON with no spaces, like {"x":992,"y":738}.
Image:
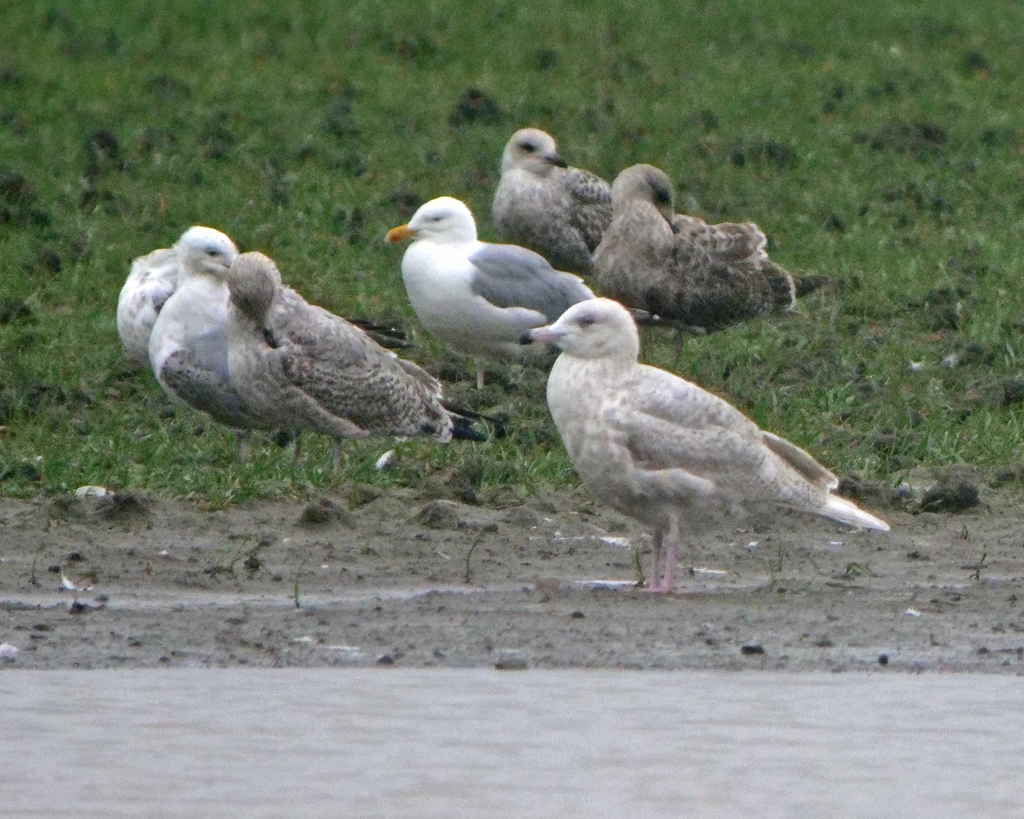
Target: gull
{"x":664,"y":451}
{"x":298,"y":366}
{"x":681,"y":268}
{"x":151,"y":282}
{"x":188,"y":347}
{"x":478,"y":297}
{"x":547,"y":206}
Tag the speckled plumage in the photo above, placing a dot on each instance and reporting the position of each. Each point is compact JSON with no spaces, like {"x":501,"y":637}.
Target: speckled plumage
{"x":680,"y":267}
{"x":299,"y":366}
{"x":664,"y":451}
{"x":555,"y":210}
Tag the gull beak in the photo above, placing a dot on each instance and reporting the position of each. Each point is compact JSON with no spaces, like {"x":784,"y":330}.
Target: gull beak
{"x":399,"y":234}
{"x":546,"y":335}
{"x":558,"y":160}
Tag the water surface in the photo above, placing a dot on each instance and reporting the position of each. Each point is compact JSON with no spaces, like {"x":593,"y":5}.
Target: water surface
{"x":479,"y":743}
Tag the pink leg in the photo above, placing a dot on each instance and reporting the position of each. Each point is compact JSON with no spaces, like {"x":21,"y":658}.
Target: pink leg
{"x":672,"y":554}
{"x":654,"y":581}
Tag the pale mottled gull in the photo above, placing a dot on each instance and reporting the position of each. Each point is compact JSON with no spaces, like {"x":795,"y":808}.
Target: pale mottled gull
{"x":299,"y":366}
{"x":551,"y":208}
{"x":681,"y":268}
{"x":188,"y":347}
{"x":663,"y":450}
{"x":478,"y":297}
{"x":151,"y":282}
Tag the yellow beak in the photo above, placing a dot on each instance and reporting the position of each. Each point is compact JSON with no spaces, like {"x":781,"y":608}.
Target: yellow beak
{"x":398,"y":234}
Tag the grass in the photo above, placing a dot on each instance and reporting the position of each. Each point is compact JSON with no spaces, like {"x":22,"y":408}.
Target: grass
{"x":879,"y":144}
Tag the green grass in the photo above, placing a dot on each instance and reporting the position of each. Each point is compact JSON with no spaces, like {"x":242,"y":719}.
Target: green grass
{"x":880,"y":144}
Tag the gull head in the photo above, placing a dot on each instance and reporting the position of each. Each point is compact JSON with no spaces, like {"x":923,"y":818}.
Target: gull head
{"x":594,"y":329}
{"x":205,"y":250}
{"x":252,"y":282}
{"x":532,"y":150}
{"x":644,"y":183}
{"x":443,"y":220}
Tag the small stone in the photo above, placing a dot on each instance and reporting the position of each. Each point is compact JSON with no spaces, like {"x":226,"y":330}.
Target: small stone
{"x":8,"y":652}
{"x":751,"y":649}
{"x":883,"y":659}
{"x":511,"y":660}
{"x":439,"y":515}
{"x":323,"y":511}
{"x":950,"y":496}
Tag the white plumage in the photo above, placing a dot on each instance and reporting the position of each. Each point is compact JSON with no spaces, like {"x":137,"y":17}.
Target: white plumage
{"x":151,"y":282}
{"x":478,"y":297}
{"x":188,"y":347}
{"x":664,"y":451}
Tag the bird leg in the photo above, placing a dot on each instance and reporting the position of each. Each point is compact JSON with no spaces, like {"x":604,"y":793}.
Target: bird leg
{"x":671,"y":554}
{"x":654,"y":583}
{"x":663,"y":564}
{"x":479,"y":373}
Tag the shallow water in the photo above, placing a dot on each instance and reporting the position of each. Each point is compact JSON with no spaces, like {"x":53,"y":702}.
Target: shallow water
{"x":481,"y":743}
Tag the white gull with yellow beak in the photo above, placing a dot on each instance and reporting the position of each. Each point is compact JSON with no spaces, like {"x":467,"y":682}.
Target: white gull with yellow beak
{"x":479,"y":297}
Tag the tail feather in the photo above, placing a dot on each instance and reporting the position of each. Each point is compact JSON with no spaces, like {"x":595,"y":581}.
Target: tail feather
{"x":848,"y":512}
{"x":780,"y":285}
{"x":808,"y":284}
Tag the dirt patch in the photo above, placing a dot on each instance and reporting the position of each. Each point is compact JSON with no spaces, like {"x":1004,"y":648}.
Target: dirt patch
{"x":548,"y":581}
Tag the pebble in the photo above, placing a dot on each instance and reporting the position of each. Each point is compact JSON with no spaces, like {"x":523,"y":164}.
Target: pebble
{"x":511,"y":660}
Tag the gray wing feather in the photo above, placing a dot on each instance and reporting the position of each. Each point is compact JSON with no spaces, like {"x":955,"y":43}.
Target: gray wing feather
{"x":512,"y":276}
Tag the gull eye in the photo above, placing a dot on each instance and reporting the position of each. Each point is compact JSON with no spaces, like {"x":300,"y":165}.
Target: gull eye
{"x":585,"y":321}
{"x":529,"y":147}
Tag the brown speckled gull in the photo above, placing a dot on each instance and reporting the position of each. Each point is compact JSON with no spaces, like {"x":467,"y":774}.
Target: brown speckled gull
{"x":541,"y":203}
{"x":664,"y":451}
{"x":299,"y":366}
{"x":681,"y":268}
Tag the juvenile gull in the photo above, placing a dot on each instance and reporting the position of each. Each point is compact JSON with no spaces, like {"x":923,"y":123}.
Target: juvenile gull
{"x":151,"y":282}
{"x":478,"y":297}
{"x":679,"y":267}
{"x":188,"y":347}
{"x":663,"y":450}
{"x":544,"y":205}
{"x":298,"y":366}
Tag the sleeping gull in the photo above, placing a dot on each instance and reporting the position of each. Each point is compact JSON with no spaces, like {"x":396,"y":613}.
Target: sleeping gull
{"x":299,"y":366}
{"x":544,"y":205}
{"x":478,"y":297}
{"x":679,"y":267}
{"x":151,"y":282}
{"x":188,"y":348}
{"x":663,"y":450}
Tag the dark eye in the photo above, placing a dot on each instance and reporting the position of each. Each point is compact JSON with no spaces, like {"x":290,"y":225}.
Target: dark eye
{"x":585,"y":321}
{"x":211,"y":252}
{"x":529,"y":147}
